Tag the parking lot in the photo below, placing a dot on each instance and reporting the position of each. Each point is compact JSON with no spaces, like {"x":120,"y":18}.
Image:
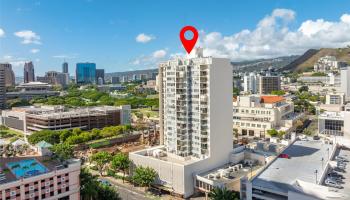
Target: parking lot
{"x":343,"y":172}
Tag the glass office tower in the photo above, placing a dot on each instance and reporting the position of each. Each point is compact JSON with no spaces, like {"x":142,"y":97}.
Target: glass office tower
{"x":85,"y":73}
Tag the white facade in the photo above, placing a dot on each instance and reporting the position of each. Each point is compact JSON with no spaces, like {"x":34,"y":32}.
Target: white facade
{"x":345,"y":81}
{"x":250,"y":83}
{"x":193,"y":92}
{"x":326,"y":63}
{"x":330,"y":80}
{"x":253,"y":115}
{"x":195,"y":121}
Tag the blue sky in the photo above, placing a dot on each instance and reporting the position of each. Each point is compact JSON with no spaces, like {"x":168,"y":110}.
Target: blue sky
{"x":106,"y":31}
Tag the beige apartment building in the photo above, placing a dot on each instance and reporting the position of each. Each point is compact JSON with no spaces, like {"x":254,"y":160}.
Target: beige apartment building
{"x":253,"y":115}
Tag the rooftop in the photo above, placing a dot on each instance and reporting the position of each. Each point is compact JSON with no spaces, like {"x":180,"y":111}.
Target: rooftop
{"x":61,"y":111}
{"x":159,"y":153}
{"x":333,"y":115}
{"x":229,"y":172}
{"x":278,"y":177}
{"x":15,"y":168}
{"x":271,"y":99}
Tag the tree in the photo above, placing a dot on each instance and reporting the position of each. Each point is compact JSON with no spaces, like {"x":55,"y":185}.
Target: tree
{"x":64,"y":134}
{"x":76,"y":131}
{"x":272,"y":132}
{"x":222,"y":194}
{"x":307,"y":131}
{"x":121,"y":162}
{"x":88,"y":185}
{"x":235,"y":133}
{"x":280,"y":134}
{"x":75,"y":139}
{"x":303,"y":88}
{"x":101,"y":159}
{"x":236,"y":91}
{"x":52,"y":137}
{"x":107,"y":192}
{"x":278,"y":92}
{"x":63,"y":151}
{"x":144,"y":176}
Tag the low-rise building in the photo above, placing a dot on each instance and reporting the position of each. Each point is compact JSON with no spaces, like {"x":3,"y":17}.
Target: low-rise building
{"x":329,"y":80}
{"x":31,"y":90}
{"x":298,"y":173}
{"x":334,"y":123}
{"x":32,"y":118}
{"x":39,"y":178}
{"x":334,"y":102}
{"x":253,"y":115}
{"x":328,"y":63}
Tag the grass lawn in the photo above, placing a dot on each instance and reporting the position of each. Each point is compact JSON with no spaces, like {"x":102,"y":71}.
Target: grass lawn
{"x":11,"y":135}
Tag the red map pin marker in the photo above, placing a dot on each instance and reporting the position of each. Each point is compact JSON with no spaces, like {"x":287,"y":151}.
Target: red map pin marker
{"x":188,"y":44}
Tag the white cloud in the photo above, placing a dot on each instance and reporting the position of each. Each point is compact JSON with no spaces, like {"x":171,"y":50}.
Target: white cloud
{"x":34,"y":51}
{"x":150,"y":61}
{"x":273,"y":37}
{"x":143,"y":38}
{"x":17,"y":63}
{"x":159,"y":54}
{"x":28,"y":36}
{"x":2,"y":32}
{"x":7,"y":57}
{"x":66,"y":56}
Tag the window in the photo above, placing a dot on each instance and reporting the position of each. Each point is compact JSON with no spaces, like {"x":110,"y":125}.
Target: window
{"x":13,"y":193}
{"x":251,"y":133}
{"x":244,"y":132}
{"x":31,"y":187}
{"x":334,"y":125}
{"x":47,"y":190}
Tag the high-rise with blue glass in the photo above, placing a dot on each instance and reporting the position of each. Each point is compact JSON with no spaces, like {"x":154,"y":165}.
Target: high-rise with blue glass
{"x":85,"y":73}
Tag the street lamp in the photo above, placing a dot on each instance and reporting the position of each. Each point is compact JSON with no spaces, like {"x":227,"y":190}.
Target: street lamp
{"x":251,"y":170}
{"x":328,"y":152}
{"x":316,"y":175}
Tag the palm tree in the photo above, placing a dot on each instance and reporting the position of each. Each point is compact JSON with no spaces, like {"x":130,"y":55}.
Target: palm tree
{"x":88,"y":182}
{"x":107,"y":192}
{"x":222,"y":194}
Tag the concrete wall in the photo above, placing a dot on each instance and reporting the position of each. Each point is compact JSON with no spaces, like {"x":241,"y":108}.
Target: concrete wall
{"x":300,"y":196}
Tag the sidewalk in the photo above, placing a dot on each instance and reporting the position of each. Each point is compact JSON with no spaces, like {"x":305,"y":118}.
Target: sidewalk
{"x":128,"y":191}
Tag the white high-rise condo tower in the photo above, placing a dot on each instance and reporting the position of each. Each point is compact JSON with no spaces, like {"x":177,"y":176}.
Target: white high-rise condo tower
{"x":195,"y":120}
{"x":194,"y":95}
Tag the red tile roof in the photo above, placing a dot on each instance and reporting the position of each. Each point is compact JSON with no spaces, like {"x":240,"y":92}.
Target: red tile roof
{"x":271,"y":99}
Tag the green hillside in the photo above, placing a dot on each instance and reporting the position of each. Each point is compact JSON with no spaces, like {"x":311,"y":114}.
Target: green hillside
{"x":306,"y":61}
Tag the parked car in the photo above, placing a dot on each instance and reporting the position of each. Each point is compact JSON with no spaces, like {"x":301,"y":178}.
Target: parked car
{"x":337,"y":180}
{"x":340,"y":158}
{"x":335,"y":175}
{"x":283,"y":155}
{"x":332,"y":183}
{"x":316,"y":137}
{"x":104,"y":182}
{"x":335,"y":185}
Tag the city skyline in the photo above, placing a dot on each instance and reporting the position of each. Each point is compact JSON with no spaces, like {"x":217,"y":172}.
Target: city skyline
{"x":119,"y":40}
